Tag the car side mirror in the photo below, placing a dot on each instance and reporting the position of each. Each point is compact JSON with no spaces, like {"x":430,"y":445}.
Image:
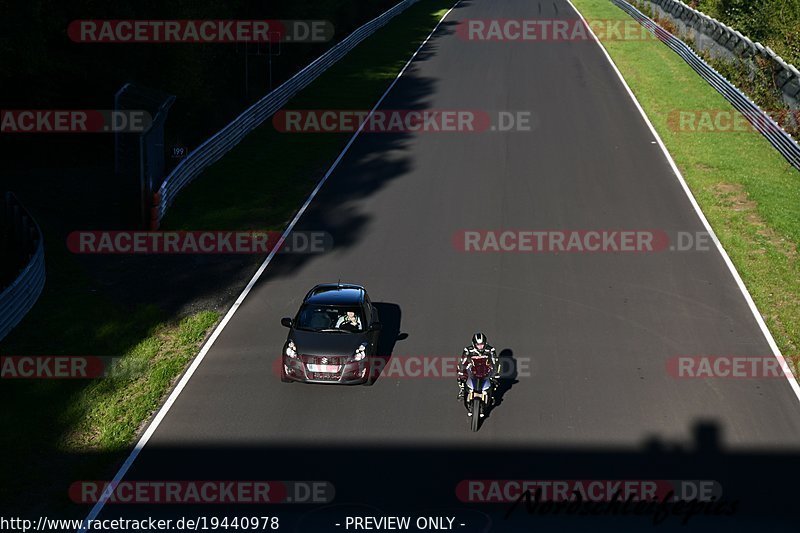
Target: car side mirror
{"x":286,"y":322}
{"x":375,"y":326}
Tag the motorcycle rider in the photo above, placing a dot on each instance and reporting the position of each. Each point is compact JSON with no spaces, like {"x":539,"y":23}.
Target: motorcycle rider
{"x":479,"y":346}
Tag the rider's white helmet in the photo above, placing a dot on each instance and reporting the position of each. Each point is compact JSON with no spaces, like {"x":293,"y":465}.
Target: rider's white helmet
{"x":479,"y":341}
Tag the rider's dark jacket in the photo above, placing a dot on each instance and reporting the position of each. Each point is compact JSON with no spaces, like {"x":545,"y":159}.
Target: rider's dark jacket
{"x":470,"y":351}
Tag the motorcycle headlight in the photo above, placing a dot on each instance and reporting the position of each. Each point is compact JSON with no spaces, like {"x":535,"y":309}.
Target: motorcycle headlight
{"x":361,"y":352}
{"x":291,"y":349}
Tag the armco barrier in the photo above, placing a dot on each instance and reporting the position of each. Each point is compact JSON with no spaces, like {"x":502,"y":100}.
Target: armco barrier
{"x":228,"y":137}
{"x":18,"y":298}
{"x":786,"y":76}
{"x":761,"y":121}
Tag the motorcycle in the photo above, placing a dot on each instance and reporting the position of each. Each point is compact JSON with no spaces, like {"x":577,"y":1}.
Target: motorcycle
{"x":478,"y":389}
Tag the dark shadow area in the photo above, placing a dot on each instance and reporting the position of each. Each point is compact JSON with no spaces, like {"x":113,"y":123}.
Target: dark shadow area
{"x":757,"y":485}
{"x":213,"y":82}
{"x":508,"y":377}
{"x":390,"y":316}
{"x":182,"y":284}
{"x":106,"y":305}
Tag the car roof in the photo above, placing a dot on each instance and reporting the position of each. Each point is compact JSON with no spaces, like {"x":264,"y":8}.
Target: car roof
{"x":336,"y":294}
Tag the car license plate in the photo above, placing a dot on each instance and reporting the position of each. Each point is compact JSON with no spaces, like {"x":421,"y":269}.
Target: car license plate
{"x":323,"y":368}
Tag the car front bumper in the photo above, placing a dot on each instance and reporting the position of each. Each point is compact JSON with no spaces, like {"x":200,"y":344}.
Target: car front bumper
{"x":349,"y":373}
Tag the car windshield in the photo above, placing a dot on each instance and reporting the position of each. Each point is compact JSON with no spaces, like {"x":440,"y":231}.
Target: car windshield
{"x":344,"y":319}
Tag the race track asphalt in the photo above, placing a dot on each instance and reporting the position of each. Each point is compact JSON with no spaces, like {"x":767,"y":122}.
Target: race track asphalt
{"x":590,"y":333}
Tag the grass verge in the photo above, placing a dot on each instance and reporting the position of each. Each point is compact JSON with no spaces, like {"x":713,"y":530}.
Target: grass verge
{"x":107,"y":415}
{"x":748,"y":192}
{"x":754,"y":76}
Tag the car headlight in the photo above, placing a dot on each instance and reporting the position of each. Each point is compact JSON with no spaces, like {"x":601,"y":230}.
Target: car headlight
{"x":361,"y":352}
{"x":291,"y":349}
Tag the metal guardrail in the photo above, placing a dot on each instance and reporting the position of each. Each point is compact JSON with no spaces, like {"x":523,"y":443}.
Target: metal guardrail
{"x":761,"y":121}
{"x":787,"y":77}
{"x":18,"y":298}
{"x":212,"y":150}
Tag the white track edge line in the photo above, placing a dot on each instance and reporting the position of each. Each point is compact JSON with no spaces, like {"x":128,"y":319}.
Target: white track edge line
{"x":151,"y":428}
{"x":748,"y":298}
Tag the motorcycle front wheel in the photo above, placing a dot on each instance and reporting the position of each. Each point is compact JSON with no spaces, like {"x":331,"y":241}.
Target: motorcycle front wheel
{"x":476,"y":414}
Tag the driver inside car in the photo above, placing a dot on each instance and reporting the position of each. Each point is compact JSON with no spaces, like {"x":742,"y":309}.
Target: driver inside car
{"x":349,"y":322}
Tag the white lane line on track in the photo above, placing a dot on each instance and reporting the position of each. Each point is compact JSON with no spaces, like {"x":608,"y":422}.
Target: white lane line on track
{"x":151,"y":428}
{"x":749,"y":299}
